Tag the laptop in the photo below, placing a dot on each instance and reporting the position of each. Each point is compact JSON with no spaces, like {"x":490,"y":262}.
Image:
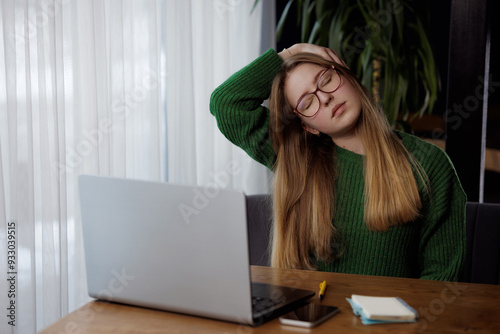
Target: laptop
{"x":177,"y":248}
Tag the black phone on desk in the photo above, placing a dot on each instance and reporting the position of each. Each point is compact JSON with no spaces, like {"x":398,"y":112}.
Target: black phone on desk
{"x":309,"y":315}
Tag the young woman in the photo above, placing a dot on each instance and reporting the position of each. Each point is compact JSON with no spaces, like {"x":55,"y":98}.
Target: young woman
{"x":350,"y":194}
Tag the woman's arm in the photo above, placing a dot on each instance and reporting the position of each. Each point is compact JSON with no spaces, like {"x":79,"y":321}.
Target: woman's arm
{"x":442,"y":239}
{"x":237,"y":107}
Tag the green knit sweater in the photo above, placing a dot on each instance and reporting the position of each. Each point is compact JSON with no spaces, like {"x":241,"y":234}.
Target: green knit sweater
{"x":431,"y":247}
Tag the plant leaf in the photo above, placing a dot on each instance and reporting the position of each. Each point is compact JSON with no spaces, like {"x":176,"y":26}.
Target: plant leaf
{"x":337,"y":38}
{"x":300,"y":5}
{"x":281,"y":22}
{"x":319,"y":32}
{"x":314,"y":33}
{"x":399,"y":17}
{"x":306,"y":19}
{"x":255,"y":3}
{"x":429,"y":66}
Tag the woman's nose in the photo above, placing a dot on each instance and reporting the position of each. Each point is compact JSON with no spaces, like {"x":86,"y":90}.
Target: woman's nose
{"x":324,"y":98}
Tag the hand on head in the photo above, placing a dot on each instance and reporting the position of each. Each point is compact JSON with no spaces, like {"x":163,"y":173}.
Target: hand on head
{"x":311,"y":48}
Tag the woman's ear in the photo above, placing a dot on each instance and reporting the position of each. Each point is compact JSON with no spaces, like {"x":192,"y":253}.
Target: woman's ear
{"x":311,"y":130}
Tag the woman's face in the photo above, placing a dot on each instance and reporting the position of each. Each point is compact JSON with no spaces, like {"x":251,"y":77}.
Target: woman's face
{"x":338,"y":111}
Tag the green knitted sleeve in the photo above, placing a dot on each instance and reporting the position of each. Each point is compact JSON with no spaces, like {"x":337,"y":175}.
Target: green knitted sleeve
{"x":237,"y":107}
{"x":442,"y":238}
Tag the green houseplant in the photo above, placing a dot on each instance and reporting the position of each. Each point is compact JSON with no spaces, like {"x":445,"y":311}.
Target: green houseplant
{"x":383,"y":41}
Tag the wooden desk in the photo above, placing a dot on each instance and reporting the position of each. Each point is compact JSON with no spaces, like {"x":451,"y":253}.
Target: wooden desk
{"x":444,"y":307}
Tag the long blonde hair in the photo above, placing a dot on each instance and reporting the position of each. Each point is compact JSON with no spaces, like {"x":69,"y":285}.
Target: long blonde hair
{"x":304,"y":182}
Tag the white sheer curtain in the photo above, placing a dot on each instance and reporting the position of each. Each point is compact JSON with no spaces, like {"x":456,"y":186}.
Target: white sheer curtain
{"x":105,"y":87}
{"x":211,"y":40}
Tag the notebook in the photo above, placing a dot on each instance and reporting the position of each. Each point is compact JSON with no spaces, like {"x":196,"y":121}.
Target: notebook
{"x":382,"y":309}
{"x":176,"y":248}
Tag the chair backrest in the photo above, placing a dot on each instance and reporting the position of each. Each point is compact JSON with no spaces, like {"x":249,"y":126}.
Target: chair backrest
{"x":482,"y":261}
{"x":259,"y":214}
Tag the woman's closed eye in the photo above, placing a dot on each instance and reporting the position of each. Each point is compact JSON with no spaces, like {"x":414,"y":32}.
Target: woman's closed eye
{"x":325,"y":82}
{"x":306,"y":102}
{"x":327,"y":79}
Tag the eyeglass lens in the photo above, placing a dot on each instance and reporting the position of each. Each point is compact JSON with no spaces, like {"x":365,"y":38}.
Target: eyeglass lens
{"x":328,"y":82}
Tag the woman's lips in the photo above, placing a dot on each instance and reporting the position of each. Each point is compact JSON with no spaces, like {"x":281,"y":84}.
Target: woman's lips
{"x":338,"y":109}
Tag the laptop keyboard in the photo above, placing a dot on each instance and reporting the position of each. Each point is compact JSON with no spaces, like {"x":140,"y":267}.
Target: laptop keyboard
{"x":260,"y":304}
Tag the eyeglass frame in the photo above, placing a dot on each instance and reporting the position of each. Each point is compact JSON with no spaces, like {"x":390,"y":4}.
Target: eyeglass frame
{"x":318,"y":89}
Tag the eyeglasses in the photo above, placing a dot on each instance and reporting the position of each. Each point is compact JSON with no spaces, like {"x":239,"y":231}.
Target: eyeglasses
{"x":328,"y":82}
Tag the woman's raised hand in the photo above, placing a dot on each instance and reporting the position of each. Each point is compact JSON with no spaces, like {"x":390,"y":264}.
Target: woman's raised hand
{"x":311,"y":48}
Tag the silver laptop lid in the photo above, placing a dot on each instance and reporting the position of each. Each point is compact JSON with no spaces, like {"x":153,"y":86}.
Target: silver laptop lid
{"x":165,"y":246}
